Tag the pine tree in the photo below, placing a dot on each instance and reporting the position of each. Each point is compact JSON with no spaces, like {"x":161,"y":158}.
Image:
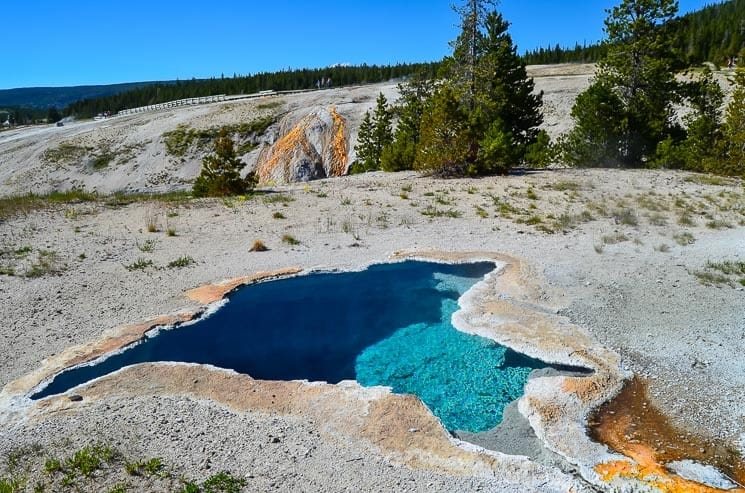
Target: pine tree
{"x":220,"y":174}
{"x":634,"y":86}
{"x":444,"y":135}
{"x":374,"y":136}
{"x":382,"y":127}
{"x":365,"y":147}
{"x":400,"y":155}
{"x":733,"y":142}
{"x":507,"y":112}
{"x":494,"y":96}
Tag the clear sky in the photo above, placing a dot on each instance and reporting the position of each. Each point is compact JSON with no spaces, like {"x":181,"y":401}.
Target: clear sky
{"x":79,"y":42}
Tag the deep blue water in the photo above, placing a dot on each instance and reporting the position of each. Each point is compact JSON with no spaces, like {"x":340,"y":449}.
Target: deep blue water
{"x":388,"y":325}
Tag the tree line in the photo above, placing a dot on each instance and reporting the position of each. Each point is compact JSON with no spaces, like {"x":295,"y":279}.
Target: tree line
{"x":481,"y":114}
{"x":715,"y":34}
{"x":286,"y":80}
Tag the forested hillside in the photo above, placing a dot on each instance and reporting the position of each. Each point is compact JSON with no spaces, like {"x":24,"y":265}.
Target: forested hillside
{"x":33,"y":104}
{"x":288,"y":80}
{"x":712,"y":34}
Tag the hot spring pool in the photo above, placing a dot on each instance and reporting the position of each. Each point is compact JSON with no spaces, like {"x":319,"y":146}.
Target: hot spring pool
{"x":387,"y":325}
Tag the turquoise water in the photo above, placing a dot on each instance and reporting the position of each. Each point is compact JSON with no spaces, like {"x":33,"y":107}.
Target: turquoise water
{"x":387,"y":325}
{"x":463,"y":379}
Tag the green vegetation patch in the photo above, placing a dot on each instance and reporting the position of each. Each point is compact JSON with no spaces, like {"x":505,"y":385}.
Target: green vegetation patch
{"x":99,"y":467}
{"x":65,"y":153}
{"x":728,"y":272}
{"x":181,"y":262}
{"x":180,"y":140}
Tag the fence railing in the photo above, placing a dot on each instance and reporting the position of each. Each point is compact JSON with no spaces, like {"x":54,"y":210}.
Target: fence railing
{"x":174,"y":104}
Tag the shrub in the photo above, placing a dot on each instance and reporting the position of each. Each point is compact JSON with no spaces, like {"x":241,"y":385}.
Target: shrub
{"x":224,"y":482}
{"x":258,"y":246}
{"x":220,"y":174}
{"x":181,"y":262}
{"x":139,"y":264}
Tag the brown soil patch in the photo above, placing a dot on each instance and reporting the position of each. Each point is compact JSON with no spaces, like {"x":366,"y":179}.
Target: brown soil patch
{"x":632,"y":425}
{"x":215,"y":292}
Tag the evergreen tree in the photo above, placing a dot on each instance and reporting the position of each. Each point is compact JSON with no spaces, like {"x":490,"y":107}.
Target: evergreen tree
{"x":374,"y":136}
{"x":507,"y":112}
{"x":494,"y":95}
{"x":53,"y":115}
{"x":383,"y":127}
{"x":733,"y":142}
{"x":444,"y":135}
{"x":365,"y":147}
{"x":400,"y":155}
{"x":634,"y":89}
{"x":220,"y":174}
{"x":703,"y":126}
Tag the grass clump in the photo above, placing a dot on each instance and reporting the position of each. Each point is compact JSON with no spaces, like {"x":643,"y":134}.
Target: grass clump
{"x":12,"y":485}
{"x":657,"y":219}
{"x":718,"y":224}
{"x":223,"y":482}
{"x":685,"y":238}
{"x":152,"y":467}
{"x":24,"y":204}
{"x":48,"y":262}
{"x":686,"y":219}
{"x":727,"y":272}
{"x":98,"y":467}
{"x":258,"y":246}
{"x":434,"y":211}
{"x":84,"y":462}
{"x":565,"y":186}
{"x":707,"y":180}
{"x":139,"y":264}
{"x":663,"y":248}
{"x":278,"y":215}
{"x":148,"y":246}
{"x":102,"y":161}
{"x":290,"y":240}
{"x":627,"y":217}
{"x":181,"y":262}
{"x":727,"y":267}
{"x":65,"y":152}
{"x":179,"y":140}
{"x":278,"y":198}
{"x":614,"y":239}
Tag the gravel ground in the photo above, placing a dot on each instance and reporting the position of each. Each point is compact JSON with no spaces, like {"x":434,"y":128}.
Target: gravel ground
{"x":621,"y":253}
{"x":611,"y":274}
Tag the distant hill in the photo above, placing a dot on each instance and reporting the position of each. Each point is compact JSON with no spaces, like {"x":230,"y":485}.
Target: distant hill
{"x":42,"y":98}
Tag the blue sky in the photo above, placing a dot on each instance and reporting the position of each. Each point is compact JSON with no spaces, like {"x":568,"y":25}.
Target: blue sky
{"x":78,"y":42}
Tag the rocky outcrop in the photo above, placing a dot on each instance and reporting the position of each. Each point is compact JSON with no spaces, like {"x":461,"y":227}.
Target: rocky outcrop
{"x":312,"y":145}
